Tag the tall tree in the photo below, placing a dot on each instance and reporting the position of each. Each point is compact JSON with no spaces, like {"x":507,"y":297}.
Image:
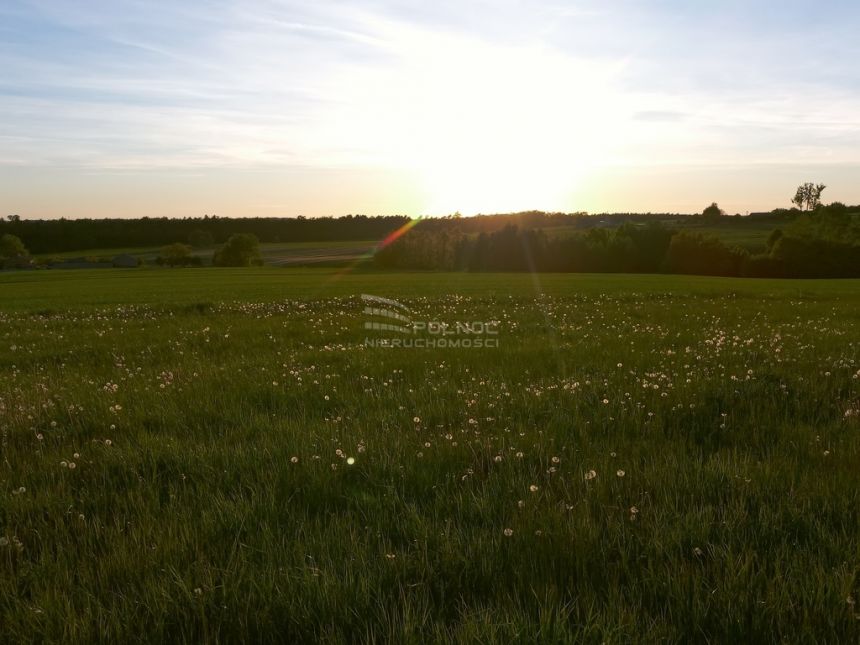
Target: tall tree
{"x":713,"y":211}
{"x":808,"y":196}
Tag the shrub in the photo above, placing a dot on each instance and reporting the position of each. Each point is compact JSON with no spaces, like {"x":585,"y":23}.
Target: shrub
{"x":241,"y":250}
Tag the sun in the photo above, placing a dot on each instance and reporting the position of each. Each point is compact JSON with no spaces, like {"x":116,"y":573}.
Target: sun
{"x":478,"y":126}
{"x":489,"y":128}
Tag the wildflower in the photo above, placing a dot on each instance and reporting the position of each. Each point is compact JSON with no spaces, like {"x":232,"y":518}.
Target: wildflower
{"x":390,"y":556}
{"x":697,"y":552}
{"x":509,"y":532}
{"x":620,"y":473}
{"x":416,"y":420}
{"x":64,"y":464}
{"x":555,"y":460}
{"x":71,"y":465}
{"x":294,"y":460}
{"x":350,"y":461}
{"x":198,"y":591}
{"x":591,"y":474}
{"x":108,"y":443}
{"x":533,"y":488}
{"x":497,"y":459}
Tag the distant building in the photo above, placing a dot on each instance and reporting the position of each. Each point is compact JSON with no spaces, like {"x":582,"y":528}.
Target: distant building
{"x":125,"y":261}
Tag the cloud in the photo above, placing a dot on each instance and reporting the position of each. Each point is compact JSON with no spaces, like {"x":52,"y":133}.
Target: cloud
{"x":659,"y":116}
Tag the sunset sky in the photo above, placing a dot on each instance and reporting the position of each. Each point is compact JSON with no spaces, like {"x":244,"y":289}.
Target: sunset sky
{"x":266,"y":107}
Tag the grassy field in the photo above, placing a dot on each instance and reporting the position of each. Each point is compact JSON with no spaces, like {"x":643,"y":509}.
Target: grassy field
{"x":216,"y":455}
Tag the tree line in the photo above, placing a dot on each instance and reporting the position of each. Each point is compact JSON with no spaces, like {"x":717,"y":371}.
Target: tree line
{"x":61,"y":235}
{"x":822,"y":244}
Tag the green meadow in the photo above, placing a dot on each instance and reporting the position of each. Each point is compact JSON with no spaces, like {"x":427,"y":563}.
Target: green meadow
{"x":218,"y":455}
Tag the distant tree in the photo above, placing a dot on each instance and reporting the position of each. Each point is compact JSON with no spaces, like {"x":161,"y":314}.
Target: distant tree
{"x":774,"y":237}
{"x":241,"y":250}
{"x":175,"y":255}
{"x":702,"y":255}
{"x":713,"y":211}
{"x":808,"y":196}
{"x":11,"y":246}
{"x":13,"y":218}
{"x":200,"y":239}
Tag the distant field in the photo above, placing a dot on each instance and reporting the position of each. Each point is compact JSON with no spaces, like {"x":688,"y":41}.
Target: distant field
{"x":748,"y":234}
{"x":275,"y":253}
{"x":144,"y":252}
{"x":215,"y":455}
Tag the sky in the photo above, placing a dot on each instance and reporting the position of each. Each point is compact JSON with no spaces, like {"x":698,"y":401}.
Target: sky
{"x":129,"y":108}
